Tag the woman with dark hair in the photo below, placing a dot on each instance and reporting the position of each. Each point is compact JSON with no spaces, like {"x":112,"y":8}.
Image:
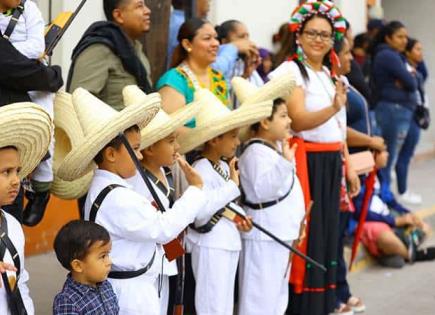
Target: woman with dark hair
{"x":394,"y":88}
{"x":317,"y":109}
{"x":191,"y":68}
{"x":414,"y":56}
{"x":246,"y":64}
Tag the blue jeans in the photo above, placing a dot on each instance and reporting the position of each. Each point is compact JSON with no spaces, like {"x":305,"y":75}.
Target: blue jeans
{"x":394,"y":121}
{"x":405,"y":156}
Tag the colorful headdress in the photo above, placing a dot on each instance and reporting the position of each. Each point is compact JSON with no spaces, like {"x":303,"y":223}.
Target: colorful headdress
{"x":324,"y":7}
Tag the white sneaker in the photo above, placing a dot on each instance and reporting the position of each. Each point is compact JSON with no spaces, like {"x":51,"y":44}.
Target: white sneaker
{"x":411,"y":198}
{"x":393,"y":176}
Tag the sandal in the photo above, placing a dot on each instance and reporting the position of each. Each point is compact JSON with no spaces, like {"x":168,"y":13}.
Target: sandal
{"x":343,"y":309}
{"x":356,"y":304}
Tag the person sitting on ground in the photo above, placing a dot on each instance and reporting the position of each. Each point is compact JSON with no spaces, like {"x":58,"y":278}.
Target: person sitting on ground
{"x":83,"y":248}
{"x":393,"y":235}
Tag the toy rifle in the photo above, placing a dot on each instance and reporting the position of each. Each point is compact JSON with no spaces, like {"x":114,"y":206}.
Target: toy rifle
{"x":58,"y":27}
{"x":173,"y":249}
{"x":231,"y":213}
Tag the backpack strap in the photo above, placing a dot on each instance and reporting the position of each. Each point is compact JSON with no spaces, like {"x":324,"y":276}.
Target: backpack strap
{"x":18,"y":11}
{"x":15,"y":301}
{"x":99,"y":200}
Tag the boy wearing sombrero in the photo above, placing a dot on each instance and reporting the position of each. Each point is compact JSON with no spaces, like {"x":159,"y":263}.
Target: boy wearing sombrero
{"x":24,"y":140}
{"x":215,"y":242}
{"x":133,"y":223}
{"x":160,"y":151}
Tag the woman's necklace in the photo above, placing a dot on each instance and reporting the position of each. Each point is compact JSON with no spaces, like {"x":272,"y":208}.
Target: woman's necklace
{"x":331,"y":96}
{"x":193,"y":77}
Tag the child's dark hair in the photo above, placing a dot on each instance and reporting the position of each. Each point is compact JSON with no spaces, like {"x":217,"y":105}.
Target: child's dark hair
{"x":115,"y":143}
{"x":276,"y":103}
{"x":75,"y":238}
{"x":110,"y":5}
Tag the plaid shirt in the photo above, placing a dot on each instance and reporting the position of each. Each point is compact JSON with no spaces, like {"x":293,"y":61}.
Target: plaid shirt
{"x":77,"y":298}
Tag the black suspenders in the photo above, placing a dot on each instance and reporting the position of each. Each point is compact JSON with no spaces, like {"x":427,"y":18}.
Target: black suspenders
{"x":18,"y":11}
{"x":15,"y":301}
{"x":92,"y":216}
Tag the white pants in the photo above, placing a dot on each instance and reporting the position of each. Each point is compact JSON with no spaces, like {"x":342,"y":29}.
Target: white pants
{"x":214,"y":271}
{"x":263,"y":278}
{"x":137,"y":296}
{"x":164,"y":294}
{"x":44,"y":171}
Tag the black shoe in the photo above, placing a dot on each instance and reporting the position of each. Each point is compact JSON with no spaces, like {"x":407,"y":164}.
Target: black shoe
{"x":392,"y":261}
{"x":412,"y":249}
{"x":425,"y":254}
{"x":35,"y":208}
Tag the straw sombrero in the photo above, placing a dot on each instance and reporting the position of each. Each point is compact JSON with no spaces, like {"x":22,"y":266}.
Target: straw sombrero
{"x":67,"y":134}
{"x":214,"y":119}
{"x":280,"y":86}
{"x":101,"y":124}
{"x":162,"y":124}
{"x":27,"y":127}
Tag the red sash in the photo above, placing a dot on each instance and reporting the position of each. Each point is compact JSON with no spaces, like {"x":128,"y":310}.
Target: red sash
{"x":297,"y":274}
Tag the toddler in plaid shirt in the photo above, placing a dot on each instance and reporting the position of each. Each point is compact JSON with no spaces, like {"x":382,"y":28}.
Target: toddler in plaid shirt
{"x":83,"y":248}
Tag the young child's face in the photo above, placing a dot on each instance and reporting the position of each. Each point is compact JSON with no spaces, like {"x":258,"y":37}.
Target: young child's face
{"x":164,"y":152}
{"x":9,"y":4}
{"x":9,"y":181}
{"x":227,"y":143}
{"x":123,"y":162}
{"x":279,"y":126}
{"x":96,"y":265}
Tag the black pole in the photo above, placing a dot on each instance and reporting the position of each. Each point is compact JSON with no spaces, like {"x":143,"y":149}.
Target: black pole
{"x":281,"y":242}
{"x":142,"y":172}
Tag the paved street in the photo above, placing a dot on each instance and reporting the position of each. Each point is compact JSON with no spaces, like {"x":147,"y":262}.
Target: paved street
{"x":385,"y":291}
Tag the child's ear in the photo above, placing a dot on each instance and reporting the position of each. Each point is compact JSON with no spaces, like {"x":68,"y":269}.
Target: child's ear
{"x":265,"y":124}
{"x":76,"y":266}
{"x":109,"y":154}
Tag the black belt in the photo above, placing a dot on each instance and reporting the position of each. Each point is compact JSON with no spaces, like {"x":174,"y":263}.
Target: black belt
{"x":263,"y":205}
{"x":132,"y":274}
{"x":209,"y":225}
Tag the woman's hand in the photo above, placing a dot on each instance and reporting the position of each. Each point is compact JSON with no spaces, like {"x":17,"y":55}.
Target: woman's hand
{"x":340,"y":98}
{"x":234,"y":173}
{"x":377,"y":143}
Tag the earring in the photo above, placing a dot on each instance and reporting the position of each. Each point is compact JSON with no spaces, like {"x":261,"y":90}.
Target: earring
{"x":189,"y":50}
{"x":300,"y":53}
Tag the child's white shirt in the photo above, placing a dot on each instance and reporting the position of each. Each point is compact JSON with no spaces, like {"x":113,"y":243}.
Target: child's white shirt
{"x":15,"y":233}
{"x":170,"y":268}
{"x":265,"y":176}
{"x":28,"y":35}
{"x":219,"y":193}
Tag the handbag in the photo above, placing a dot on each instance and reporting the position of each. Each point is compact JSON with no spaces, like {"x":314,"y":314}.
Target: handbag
{"x":422,"y":117}
{"x":362,"y":162}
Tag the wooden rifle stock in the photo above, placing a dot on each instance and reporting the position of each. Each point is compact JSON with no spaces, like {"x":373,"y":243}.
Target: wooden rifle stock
{"x":58,"y":27}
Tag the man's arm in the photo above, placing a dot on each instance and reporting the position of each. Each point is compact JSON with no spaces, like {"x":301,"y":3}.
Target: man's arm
{"x":22,"y":74}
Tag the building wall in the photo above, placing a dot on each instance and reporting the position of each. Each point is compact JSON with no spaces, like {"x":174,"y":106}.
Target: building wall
{"x":419,"y":22}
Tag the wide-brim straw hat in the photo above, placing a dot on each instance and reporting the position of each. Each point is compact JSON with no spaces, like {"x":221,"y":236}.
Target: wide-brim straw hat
{"x":163,"y":124}
{"x":101,"y":124}
{"x":215,"y":119}
{"x":27,"y":127}
{"x":278,"y":87}
{"x":68,"y":134}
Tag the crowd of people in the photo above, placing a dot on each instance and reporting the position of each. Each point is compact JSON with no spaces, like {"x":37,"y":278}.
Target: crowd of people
{"x":179,"y":179}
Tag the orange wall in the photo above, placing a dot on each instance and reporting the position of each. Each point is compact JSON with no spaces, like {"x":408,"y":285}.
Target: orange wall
{"x":39,"y":239}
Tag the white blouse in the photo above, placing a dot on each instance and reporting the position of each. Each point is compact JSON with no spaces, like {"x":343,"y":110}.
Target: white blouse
{"x":319,"y":94}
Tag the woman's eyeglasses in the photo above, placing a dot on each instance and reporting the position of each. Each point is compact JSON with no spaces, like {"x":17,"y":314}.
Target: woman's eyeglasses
{"x":312,"y":35}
